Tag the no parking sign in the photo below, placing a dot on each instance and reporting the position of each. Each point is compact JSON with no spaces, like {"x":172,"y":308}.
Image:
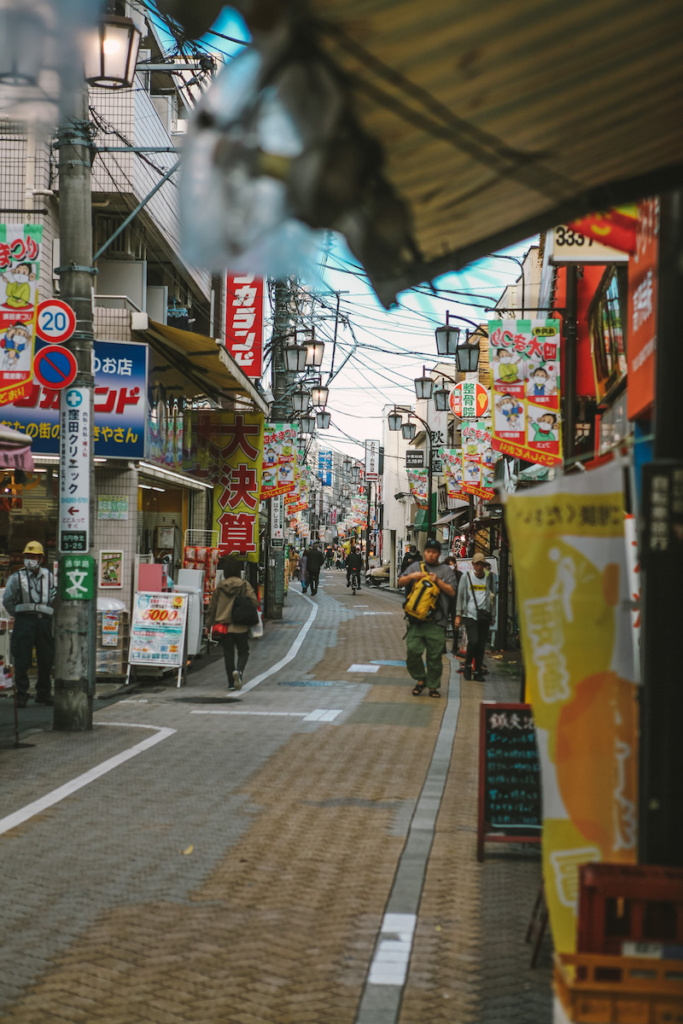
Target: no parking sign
{"x":55,"y":367}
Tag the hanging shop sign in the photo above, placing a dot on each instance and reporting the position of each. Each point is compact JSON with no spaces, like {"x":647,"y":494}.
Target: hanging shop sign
{"x":55,"y":321}
{"x":120,"y":408}
{"x":20,"y":253}
{"x":279,"y":459}
{"x":74,"y":477}
{"x":569,"y":551}
{"x":244,"y":322}
{"x":227,"y":451}
{"x":478,"y":459}
{"x":569,"y":246}
{"x":325,"y":468}
{"x":525,"y":363}
{"x":418,"y":483}
{"x":372,"y":460}
{"x":451,"y":460}
{"x":643,"y":272}
{"x":415,"y":459}
{"x":469,"y":399}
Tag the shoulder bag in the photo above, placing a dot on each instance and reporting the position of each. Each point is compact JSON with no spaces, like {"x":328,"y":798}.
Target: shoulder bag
{"x":244,"y":612}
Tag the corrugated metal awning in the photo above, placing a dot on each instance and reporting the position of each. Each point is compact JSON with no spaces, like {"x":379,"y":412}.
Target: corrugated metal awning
{"x":499,"y":119}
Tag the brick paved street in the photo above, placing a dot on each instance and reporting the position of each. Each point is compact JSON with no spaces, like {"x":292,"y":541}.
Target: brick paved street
{"x":275,"y":856}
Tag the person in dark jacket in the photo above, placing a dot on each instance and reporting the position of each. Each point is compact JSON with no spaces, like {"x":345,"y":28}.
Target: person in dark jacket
{"x":233,"y":638}
{"x":354,"y":563}
{"x":314,"y":563}
{"x":410,"y":556}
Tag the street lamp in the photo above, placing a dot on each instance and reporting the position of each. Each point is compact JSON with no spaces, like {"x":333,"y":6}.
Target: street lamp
{"x":448,"y":344}
{"x":355,"y":474}
{"x":424,"y":386}
{"x":346,"y":464}
{"x":408,"y":431}
{"x":319,"y":394}
{"x":307,"y":424}
{"x":467,"y":355}
{"x":447,"y":338}
{"x":111,"y":53}
{"x":295,"y":358}
{"x":300,"y":399}
{"x":323,"y":420}
{"x":395,"y":420}
{"x":315,"y":350}
{"x":441,"y":398}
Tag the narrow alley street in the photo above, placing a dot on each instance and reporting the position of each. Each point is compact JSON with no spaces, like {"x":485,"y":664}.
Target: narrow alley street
{"x":301,"y":851}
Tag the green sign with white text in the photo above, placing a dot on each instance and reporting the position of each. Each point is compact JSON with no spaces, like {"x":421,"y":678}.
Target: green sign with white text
{"x":76,"y":578}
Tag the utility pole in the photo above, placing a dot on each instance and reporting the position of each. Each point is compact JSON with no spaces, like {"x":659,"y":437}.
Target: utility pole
{"x":281,"y":411}
{"x":74,"y":620}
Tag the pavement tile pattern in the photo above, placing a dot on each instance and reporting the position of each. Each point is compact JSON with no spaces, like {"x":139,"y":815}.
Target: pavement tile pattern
{"x":240,"y":871}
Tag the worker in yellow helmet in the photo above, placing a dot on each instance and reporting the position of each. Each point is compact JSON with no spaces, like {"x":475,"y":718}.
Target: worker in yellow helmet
{"x":30,"y":597}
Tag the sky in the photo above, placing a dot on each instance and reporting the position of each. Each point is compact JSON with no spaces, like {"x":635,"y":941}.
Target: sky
{"x":391,"y":347}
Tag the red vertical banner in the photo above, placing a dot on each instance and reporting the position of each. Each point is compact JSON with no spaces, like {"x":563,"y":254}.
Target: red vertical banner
{"x":244,"y":322}
{"x":642,"y":310}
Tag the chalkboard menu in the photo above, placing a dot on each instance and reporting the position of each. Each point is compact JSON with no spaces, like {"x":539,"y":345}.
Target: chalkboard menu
{"x":509,"y":776}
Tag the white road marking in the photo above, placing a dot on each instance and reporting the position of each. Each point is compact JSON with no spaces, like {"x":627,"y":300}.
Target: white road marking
{"x":267,"y":714}
{"x":322,"y":715}
{"x":390,"y":962}
{"x":378,"y":613}
{"x":291,"y":654}
{"x":363,"y":668}
{"x":59,"y":794}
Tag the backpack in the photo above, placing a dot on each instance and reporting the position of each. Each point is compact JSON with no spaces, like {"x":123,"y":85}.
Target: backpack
{"x":422,"y":599}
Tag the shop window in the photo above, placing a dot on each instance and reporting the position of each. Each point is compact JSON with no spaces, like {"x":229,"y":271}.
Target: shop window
{"x":606,"y":318}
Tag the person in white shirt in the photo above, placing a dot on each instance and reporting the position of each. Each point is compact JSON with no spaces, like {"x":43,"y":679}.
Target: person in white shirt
{"x":475,"y":607}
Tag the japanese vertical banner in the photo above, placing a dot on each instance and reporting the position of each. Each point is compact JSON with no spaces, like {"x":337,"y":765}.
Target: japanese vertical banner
{"x":227,"y":451}
{"x":451,"y":462}
{"x":279,"y":459}
{"x":418,"y":483}
{"x":572,"y":586}
{"x":244,"y":322}
{"x":525,"y":390}
{"x":19,"y":272}
{"x":479,"y":459}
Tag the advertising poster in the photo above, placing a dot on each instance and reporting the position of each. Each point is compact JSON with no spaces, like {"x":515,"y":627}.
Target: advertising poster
{"x":227,"y":451}
{"x":419,"y":486}
{"x":120,"y":405}
{"x":19,"y":272}
{"x":478,"y":459}
{"x":451,"y":462}
{"x":573,"y":587}
{"x":279,"y":459}
{"x":244,"y":322}
{"x":525,"y":391}
{"x":643,"y":275}
{"x":325,"y":468}
{"x":157,"y":631}
{"x":111,"y":570}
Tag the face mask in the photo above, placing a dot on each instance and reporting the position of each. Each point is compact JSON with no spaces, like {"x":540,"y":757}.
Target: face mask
{"x":31,"y":563}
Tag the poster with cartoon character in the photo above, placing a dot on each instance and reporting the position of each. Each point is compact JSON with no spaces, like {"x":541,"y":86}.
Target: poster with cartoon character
{"x":278,"y":459}
{"x":525,"y":359}
{"x":417,"y":481}
{"x":451,"y":463}
{"x":479,"y":459}
{"x":19,"y":271}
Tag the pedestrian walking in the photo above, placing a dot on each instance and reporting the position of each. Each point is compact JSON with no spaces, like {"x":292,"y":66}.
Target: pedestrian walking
{"x":475,"y":608}
{"x":410,"y":556}
{"x":429,"y":585}
{"x":314,"y":563}
{"x":29,"y":597}
{"x":224,"y":609}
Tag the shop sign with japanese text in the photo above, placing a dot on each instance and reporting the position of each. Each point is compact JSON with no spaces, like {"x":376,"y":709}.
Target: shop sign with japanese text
{"x":77,"y":578}
{"x":643,"y":272}
{"x":244,"y":322}
{"x":227,"y":451}
{"x":469,"y":399}
{"x":325,"y":468}
{"x":279,"y":459}
{"x":120,"y":405}
{"x":74,"y":478}
{"x":371,"y":460}
{"x":20,"y":246}
{"x":525,"y":365}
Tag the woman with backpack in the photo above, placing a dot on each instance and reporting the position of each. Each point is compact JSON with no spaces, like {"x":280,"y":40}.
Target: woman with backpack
{"x":232,"y":611}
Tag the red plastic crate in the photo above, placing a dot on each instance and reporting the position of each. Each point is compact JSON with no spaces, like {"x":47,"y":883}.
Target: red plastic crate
{"x":628,"y":903}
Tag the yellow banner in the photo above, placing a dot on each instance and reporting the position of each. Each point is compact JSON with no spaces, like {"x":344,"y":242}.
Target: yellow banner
{"x":569,"y":554}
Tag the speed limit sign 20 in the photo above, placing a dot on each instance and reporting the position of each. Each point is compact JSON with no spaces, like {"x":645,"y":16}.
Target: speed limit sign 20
{"x":56,"y":321}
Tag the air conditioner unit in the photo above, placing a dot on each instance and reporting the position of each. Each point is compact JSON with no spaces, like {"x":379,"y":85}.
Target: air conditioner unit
{"x":165,"y":108}
{"x":179,"y":126}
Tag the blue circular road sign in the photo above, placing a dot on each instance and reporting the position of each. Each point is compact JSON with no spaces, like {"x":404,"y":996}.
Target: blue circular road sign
{"x":55,"y":367}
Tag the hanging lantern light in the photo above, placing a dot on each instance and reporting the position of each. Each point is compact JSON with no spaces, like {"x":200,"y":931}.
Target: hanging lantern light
{"x":408,"y":431}
{"x":300,"y":399}
{"x":319,"y":394}
{"x":447,"y":338}
{"x":307,"y":424}
{"x":315,"y":350}
{"x":295,"y":358}
{"x":355,"y":474}
{"x":323,"y":419}
{"x":346,"y":464}
{"x":111,"y":53}
{"x":395,"y":421}
{"x":424,"y":386}
{"x":441,"y":399}
{"x":467,"y":356}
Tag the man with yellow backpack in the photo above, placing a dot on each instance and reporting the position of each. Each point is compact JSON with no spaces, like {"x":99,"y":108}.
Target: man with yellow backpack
{"x":429,"y":585}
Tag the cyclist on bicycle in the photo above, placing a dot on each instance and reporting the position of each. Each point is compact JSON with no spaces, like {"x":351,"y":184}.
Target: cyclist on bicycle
{"x":354,"y":564}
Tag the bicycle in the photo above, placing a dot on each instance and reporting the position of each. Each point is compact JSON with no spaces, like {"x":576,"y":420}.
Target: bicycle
{"x":355,"y":581}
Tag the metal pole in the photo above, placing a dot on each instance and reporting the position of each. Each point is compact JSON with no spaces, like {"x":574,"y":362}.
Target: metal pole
{"x":569,"y":388}
{"x":429,"y":478}
{"x":660,"y":824}
{"x":367,"y":528}
{"x":281,"y":410}
{"x":74,"y":621}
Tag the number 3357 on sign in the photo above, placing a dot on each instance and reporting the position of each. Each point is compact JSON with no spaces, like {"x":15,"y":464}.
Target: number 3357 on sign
{"x":56,"y":321}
